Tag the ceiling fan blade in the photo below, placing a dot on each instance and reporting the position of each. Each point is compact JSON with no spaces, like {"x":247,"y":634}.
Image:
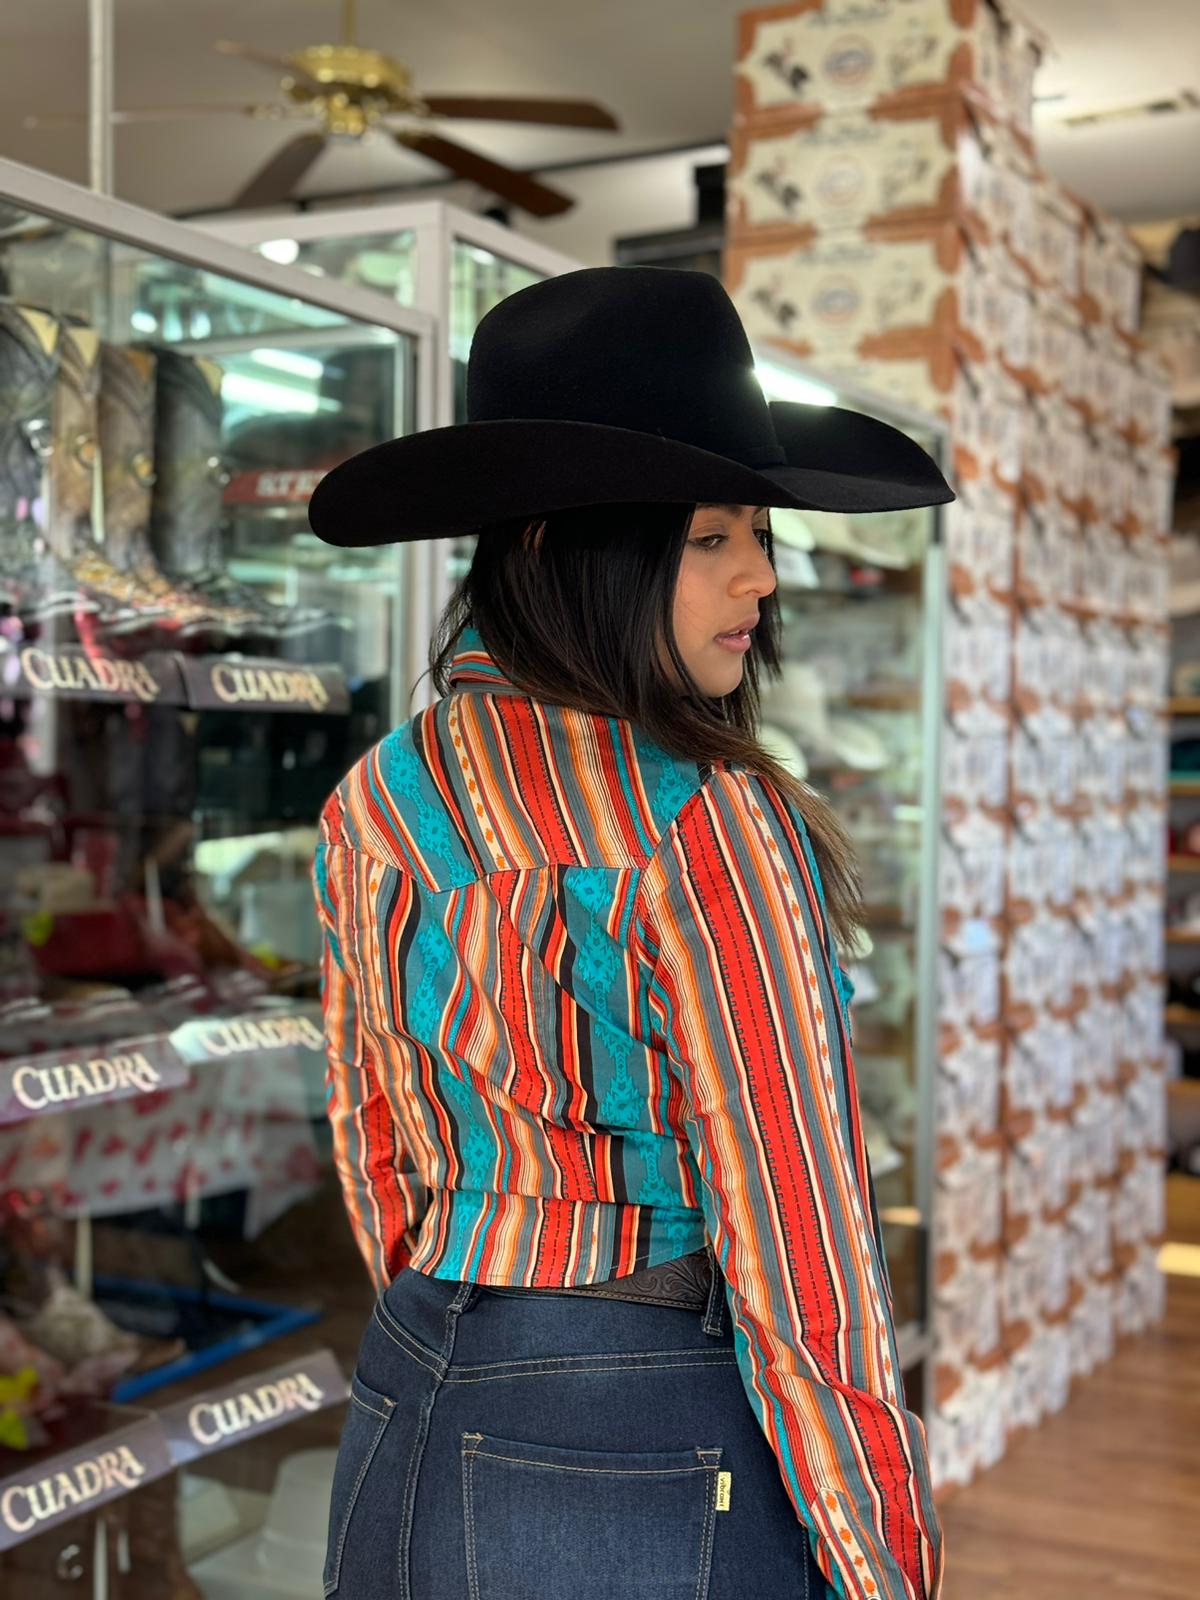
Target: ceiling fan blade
{"x":556,"y":113}
{"x":62,"y":119}
{"x":264,"y":58}
{"x":518,"y":188}
{"x":275,"y":181}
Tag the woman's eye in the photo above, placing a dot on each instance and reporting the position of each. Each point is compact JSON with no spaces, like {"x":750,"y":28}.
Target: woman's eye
{"x":710,"y":541}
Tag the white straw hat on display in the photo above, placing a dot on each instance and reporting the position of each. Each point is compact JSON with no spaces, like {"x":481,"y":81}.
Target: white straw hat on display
{"x":798,"y":704}
{"x":780,"y":744}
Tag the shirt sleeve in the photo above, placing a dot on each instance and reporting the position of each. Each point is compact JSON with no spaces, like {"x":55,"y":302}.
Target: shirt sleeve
{"x":742,"y":985}
{"x":383,"y":1192}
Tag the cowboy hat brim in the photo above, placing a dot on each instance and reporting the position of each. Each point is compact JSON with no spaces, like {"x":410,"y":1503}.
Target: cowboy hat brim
{"x":450,"y":481}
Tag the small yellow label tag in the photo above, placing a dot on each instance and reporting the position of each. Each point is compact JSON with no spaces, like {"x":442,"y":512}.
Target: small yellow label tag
{"x":724,"y":1482}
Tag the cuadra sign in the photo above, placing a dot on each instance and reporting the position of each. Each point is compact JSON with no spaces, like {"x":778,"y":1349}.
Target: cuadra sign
{"x":24,"y":1505}
{"x":72,"y":672}
{"x":275,"y":685}
{"x":27,"y":1505}
{"x":243,"y":1036}
{"x":215,"y":1422}
{"x":45,"y":1083}
{"x":223,"y":1417}
{"x":38,"y":1087}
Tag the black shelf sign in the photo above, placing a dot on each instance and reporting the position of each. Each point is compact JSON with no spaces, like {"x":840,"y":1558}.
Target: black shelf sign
{"x":218,"y":1418}
{"x":70,"y":672}
{"x":64,"y":1080}
{"x":74,"y":1483}
{"x":238,"y":683}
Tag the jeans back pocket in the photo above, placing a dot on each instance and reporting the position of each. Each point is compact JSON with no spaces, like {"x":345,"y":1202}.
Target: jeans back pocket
{"x":547,"y":1523}
{"x":366,"y":1422}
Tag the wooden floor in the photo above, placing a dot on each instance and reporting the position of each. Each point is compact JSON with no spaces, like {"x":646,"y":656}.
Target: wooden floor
{"x":1103,"y":1498}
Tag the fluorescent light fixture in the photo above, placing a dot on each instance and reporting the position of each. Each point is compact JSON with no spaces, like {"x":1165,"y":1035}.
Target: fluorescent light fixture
{"x":293,"y":361}
{"x":281,"y":251}
{"x":143,"y":321}
{"x":780,"y":384}
{"x":267,"y":396}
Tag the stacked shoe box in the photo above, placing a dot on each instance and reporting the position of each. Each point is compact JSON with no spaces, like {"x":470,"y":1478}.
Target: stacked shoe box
{"x":889,"y":225}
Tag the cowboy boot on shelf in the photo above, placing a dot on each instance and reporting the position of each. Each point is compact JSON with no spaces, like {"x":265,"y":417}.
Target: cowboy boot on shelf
{"x":33,"y":583}
{"x":188,"y":497}
{"x":126,"y":429}
{"x":127,"y":607}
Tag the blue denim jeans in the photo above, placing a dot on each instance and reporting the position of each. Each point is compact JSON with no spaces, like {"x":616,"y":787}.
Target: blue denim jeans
{"x":507,"y":1445}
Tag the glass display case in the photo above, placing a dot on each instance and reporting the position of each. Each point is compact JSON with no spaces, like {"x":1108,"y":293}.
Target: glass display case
{"x":438,"y":258}
{"x":185,"y":674}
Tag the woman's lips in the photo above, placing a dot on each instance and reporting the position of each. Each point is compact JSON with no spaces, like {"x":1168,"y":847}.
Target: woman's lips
{"x":738,"y":641}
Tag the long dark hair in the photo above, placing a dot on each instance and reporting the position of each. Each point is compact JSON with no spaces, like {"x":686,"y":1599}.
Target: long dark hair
{"x":572,"y":607}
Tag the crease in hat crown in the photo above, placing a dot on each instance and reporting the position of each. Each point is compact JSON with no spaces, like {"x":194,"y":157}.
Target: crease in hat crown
{"x":657,"y":350}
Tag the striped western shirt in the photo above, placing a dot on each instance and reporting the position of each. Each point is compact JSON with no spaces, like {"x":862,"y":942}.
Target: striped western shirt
{"x":583,"y":1016}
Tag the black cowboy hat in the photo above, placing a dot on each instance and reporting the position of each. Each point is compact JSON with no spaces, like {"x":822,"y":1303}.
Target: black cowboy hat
{"x":618,"y":384}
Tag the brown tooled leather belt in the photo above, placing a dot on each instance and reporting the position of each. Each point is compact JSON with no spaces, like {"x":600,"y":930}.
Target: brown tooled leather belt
{"x":685,"y":1282}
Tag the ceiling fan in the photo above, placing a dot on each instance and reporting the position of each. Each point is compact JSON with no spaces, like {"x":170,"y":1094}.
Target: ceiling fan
{"x":350,"y":91}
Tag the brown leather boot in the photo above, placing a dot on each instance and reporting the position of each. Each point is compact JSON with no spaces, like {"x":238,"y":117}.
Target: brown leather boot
{"x":126,"y":430}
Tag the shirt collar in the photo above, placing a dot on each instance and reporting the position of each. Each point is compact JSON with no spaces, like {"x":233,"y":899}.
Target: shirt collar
{"x":472,"y":667}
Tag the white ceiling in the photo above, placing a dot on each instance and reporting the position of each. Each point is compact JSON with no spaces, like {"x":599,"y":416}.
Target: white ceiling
{"x":664,"y":67}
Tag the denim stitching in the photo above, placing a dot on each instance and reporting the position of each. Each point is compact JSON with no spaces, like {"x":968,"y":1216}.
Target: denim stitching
{"x":583,"y":1355}
{"x":468,"y":1463}
{"x":642,"y":1300}
{"x":386,"y":1415}
{"x":330,"y":1588}
{"x":704,"y":1576}
{"x":602,"y":1472}
{"x":421,"y":1436}
{"x":437,"y":1371}
{"x":552,"y":1372}
{"x":382,"y":1311}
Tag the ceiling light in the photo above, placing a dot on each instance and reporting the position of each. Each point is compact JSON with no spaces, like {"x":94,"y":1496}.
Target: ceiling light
{"x":282,"y":251}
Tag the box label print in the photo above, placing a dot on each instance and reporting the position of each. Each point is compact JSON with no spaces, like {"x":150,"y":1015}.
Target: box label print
{"x":856,"y":52}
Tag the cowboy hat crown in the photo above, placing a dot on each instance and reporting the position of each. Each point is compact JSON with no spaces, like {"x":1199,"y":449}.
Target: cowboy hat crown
{"x":618,"y":384}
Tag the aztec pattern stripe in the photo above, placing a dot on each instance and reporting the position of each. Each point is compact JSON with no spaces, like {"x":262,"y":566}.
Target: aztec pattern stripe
{"x":583,"y":1015}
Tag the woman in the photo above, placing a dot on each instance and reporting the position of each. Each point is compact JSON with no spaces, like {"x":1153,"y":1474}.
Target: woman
{"x":589,"y":1070}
